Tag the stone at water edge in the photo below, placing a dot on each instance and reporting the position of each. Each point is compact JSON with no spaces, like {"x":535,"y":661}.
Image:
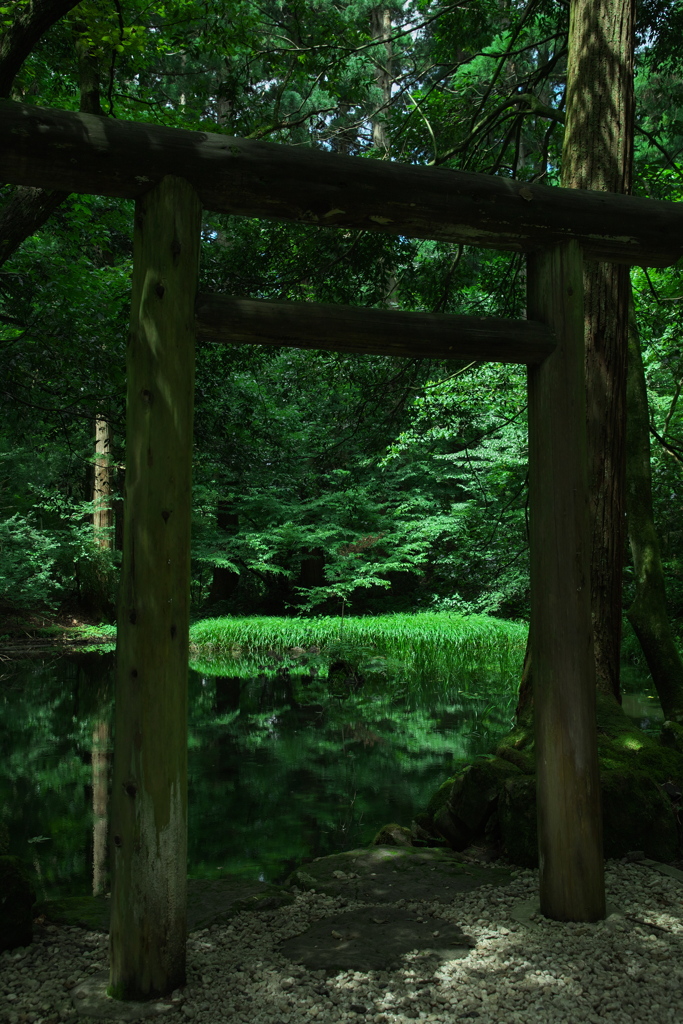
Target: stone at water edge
{"x":463,"y":816}
{"x":493,"y":798}
{"x":393,"y":835}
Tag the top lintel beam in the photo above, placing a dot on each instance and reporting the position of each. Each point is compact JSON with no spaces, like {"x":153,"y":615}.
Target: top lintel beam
{"x":76,"y":152}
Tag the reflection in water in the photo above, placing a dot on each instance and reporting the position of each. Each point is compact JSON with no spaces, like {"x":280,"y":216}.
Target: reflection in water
{"x":639,"y":698}
{"x":279,"y":767}
{"x":100,"y":801}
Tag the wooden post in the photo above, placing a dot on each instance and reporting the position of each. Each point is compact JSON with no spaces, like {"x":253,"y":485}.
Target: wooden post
{"x":562,"y":664}
{"x":149,"y":798}
{"x":226,"y":320}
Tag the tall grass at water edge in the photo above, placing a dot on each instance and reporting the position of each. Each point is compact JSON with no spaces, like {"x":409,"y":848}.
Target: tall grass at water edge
{"x":427,"y":645}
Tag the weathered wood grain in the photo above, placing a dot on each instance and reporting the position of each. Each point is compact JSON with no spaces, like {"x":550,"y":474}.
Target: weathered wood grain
{"x":149,"y":793}
{"x":224,"y":319}
{"x":58,"y":149}
{"x":563,"y":666}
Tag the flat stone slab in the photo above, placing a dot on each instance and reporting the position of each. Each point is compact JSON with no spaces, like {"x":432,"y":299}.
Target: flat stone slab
{"x":374,"y":938}
{"x":377,"y":874}
{"x":386,"y":874}
{"x":663,"y":869}
{"x":209,"y":901}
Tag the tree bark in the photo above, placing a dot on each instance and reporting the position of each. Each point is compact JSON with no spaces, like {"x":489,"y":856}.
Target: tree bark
{"x":567,"y":780}
{"x":224,"y":581}
{"x":648,"y":614}
{"x":105,"y":156}
{"x":23,"y":214}
{"x":23,"y":34}
{"x":103,"y":512}
{"x":29,"y":208}
{"x":597,"y":155}
{"x":380,"y":26}
{"x":149,"y":794}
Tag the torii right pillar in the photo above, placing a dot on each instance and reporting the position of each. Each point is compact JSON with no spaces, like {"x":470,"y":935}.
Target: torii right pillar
{"x":572,"y":882}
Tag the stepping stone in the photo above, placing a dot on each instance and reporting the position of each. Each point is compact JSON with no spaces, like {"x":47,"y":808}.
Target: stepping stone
{"x":374,"y":938}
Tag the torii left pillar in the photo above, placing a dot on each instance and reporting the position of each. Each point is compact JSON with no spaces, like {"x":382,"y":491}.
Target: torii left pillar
{"x":149,"y":798}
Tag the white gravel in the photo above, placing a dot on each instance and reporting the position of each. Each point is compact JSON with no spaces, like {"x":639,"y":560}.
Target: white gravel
{"x":625,"y":970}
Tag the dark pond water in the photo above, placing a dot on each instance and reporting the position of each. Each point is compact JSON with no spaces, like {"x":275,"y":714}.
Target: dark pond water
{"x":280,"y":767}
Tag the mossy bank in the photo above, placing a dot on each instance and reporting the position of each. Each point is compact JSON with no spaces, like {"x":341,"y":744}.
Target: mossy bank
{"x":490,"y":802}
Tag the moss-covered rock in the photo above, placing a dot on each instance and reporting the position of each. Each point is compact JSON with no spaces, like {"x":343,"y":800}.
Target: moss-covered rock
{"x":4,"y":837}
{"x":672,"y":736}
{"x":474,"y":796}
{"x":17,"y":897}
{"x":518,"y":748}
{"x":393,"y":835}
{"x":455,"y":832}
{"x":464,"y":816}
{"x":637,"y":815}
{"x":517,"y":820}
{"x":641,"y":779}
{"x":439,"y":798}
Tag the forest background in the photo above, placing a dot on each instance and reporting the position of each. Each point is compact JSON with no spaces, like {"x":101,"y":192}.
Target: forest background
{"x":322,"y":481}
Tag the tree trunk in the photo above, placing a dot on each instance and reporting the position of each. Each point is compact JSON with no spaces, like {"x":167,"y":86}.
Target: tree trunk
{"x":224,"y":581}
{"x":597,"y":155}
{"x":648,"y":614}
{"x":149,"y":794}
{"x":103,"y":512}
{"x":25,"y":30}
{"x":380,"y":27}
{"x":23,"y":214}
{"x":29,"y":208}
{"x":567,"y":780}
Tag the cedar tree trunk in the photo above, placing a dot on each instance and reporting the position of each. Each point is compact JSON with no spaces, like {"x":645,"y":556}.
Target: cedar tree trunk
{"x":648,"y":614}
{"x":597,"y":154}
{"x":380,"y":26}
{"x":103,"y":513}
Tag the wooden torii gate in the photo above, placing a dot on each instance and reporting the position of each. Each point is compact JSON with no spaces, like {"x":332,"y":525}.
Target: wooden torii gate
{"x":172,"y":174}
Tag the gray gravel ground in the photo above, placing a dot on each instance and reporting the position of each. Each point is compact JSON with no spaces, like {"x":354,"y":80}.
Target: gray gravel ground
{"x":624,"y":970}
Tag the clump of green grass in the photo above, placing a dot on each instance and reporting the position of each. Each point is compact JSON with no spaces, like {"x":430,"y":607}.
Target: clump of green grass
{"x":429,"y":645}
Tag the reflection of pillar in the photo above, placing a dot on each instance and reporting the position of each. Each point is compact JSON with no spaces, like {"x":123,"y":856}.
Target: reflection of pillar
{"x":228,"y":691}
{"x":100,"y":773}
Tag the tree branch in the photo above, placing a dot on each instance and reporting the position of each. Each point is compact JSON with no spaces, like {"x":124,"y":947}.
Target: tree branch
{"x":672,"y":449}
{"x":23,"y":34}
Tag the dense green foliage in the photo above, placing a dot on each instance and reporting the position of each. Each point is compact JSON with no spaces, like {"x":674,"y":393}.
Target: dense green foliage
{"x":322,"y":481}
